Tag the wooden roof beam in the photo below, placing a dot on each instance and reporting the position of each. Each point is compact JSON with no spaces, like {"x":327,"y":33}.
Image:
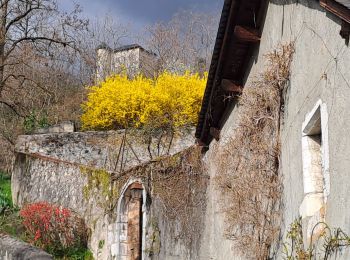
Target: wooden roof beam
{"x":336,"y":8}
{"x":215,"y":132}
{"x":246,"y":34}
{"x":231,"y":86}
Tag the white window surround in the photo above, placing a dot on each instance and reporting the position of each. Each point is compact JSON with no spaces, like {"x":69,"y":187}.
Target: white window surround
{"x":316,"y":189}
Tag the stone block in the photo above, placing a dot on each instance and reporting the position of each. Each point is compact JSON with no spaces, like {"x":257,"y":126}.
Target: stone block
{"x":13,"y":249}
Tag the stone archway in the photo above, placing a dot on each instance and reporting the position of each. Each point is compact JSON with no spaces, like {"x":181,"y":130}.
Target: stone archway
{"x":131,"y":222}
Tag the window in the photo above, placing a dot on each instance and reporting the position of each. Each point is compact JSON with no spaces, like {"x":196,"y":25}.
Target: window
{"x":315,"y":167}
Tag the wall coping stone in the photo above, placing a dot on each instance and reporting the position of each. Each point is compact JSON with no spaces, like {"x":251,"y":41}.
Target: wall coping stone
{"x":13,"y":249}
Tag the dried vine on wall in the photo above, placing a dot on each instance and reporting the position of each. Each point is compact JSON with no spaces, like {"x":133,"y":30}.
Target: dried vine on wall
{"x":248,"y":175}
{"x":182,"y":191}
{"x":324,"y":246}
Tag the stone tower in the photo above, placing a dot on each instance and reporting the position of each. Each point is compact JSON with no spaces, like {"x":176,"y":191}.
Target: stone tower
{"x":132,"y":59}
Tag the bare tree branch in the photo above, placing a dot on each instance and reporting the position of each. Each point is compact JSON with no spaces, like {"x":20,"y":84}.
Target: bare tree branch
{"x":11,"y":107}
{"x":35,"y":39}
{"x":23,"y":15}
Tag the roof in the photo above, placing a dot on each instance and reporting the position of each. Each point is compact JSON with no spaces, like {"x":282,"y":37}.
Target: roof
{"x":128,"y":47}
{"x":124,"y":48}
{"x":238,"y":36}
{"x":340,"y":8}
{"x":103,"y":46}
{"x":346,"y":3}
{"x":239,"y":32}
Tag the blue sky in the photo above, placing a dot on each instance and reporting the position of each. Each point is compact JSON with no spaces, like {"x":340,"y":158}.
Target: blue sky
{"x":140,"y":12}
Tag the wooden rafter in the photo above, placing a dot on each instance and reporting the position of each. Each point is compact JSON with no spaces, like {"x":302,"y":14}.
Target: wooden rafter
{"x":230,"y":86}
{"x":337,"y":9}
{"x":214,"y":132}
{"x":246,"y":34}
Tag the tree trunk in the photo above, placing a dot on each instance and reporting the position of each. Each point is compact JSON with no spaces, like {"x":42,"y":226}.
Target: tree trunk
{"x":3,"y":20}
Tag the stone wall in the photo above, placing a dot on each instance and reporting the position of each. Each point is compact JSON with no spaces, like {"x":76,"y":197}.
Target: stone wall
{"x":52,"y":168}
{"x":126,"y":60}
{"x":63,"y":127}
{"x":12,"y":249}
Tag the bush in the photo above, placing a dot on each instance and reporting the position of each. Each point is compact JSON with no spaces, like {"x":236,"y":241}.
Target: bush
{"x":53,"y":228}
{"x":35,"y":121}
{"x":169,"y":101}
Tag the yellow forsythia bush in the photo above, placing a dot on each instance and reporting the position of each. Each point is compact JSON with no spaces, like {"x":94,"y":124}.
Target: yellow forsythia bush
{"x":167,"y":101}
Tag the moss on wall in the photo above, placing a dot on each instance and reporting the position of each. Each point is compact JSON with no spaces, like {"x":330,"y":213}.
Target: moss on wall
{"x":178,"y":182}
{"x":97,"y":180}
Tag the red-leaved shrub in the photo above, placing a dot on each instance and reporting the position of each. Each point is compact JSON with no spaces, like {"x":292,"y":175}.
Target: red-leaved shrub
{"x":54,"y":227}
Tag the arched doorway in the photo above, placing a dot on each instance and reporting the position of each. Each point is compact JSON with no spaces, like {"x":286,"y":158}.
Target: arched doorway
{"x":131,"y":222}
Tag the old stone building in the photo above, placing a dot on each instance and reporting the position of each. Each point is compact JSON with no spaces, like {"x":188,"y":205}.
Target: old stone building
{"x":273,"y":128}
{"x":133,"y":59}
{"x":256,"y":41}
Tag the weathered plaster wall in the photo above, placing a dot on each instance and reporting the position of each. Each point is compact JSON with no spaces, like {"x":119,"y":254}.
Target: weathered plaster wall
{"x":320,"y":71}
{"x":214,"y":245}
{"x":51,"y":167}
{"x":12,"y":249}
{"x":171,"y":245}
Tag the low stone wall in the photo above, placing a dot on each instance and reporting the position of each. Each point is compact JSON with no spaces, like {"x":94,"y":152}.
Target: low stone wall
{"x":111,"y":151}
{"x":64,"y":127}
{"x":12,"y":249}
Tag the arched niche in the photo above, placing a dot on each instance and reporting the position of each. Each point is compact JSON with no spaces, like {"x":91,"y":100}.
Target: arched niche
{"x":131,"y":222}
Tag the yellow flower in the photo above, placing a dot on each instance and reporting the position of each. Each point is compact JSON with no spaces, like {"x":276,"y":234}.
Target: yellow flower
{"x":168,"y":101}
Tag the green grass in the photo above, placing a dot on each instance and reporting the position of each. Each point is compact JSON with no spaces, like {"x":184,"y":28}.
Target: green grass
{"x":11,"y":224}
{"x":5,"y":192}
{"x":10,"y":221}
{"x":73,"y":254}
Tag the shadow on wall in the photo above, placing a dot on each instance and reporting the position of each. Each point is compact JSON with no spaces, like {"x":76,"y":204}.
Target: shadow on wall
{"x":313,"y":4}
{"x":339,"y":15}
